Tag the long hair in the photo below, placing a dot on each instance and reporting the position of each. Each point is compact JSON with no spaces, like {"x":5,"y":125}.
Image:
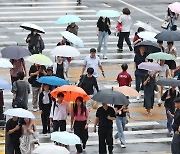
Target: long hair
{"x":75,"y":106}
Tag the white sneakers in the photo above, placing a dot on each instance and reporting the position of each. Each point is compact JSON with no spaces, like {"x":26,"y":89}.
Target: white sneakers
{"x":123,"y":146}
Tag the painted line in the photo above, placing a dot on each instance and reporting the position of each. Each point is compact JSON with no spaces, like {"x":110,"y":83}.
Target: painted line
{"x":39,"y":3}
{"x":106,"y":5}
{"x":3,"y":37}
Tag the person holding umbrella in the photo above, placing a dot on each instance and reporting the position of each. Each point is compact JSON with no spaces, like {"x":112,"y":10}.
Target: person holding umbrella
{"x":136,"y":38}
{"x":73,"y":28}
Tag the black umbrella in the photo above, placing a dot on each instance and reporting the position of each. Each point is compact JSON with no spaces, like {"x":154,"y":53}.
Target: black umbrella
{"x":168,"y":36}
{"x":150,"y":47}
{"x":168,"y":82}
{"x":109,"y":96}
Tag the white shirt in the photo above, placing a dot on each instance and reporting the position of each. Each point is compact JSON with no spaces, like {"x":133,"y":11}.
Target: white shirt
{"x":61,"y":111}
{"x":46,"y":97}
{"x":92,"y":62}
{"x":170,"y":51}
{"x":126,"y":22}
{"x":162,"y":73}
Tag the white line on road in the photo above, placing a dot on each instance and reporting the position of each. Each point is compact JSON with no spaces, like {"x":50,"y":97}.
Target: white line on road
{"x":36,"y":3}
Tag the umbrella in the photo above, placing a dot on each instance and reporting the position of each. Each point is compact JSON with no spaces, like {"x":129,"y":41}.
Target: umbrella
{"x":147,"y":36}
{"x":4,"y":63}
{"x":50,"y":149}
{"x":39,"y":59}
{"x":168,"y":82}
{"x":73,"y":38}
{"x":53,"y":80}
{"x":30,"y":26}
{"x":110,"y":96}
{"x":175,"y":7}
{"x":161,"y":55}
{"x":108,"y":13}
{"x":146,"y":26}
{"x":19,"y":112}
{"x":168,"y":36}
{"x":14,"y":52}
{"x":65,"y":51}
{"x":66,"y":19}
{"x":65,"y":138}
{"x":127,"y":91}
{"x":150,"y":47}
{"x":5,"y":84}
{"x":150,"y":66}
{"x":70,"y":93}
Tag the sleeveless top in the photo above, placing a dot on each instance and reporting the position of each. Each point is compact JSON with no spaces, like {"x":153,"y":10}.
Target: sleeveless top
{"x":60,"y":70}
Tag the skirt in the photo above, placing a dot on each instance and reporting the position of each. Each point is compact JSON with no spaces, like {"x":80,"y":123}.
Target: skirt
{"x":171,"y":64}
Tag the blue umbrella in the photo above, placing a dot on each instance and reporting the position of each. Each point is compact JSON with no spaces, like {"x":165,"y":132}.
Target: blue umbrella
{"x":108,"y":13}
{"x":66,"y":19}
{"x":5,"y":84}
{"x":53,"y":80}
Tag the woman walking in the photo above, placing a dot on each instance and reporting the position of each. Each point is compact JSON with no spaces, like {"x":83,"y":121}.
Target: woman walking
{"x":79,"y":121}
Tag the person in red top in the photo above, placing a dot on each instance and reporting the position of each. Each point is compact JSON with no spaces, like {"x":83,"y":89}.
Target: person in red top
{"x":124,"y":78}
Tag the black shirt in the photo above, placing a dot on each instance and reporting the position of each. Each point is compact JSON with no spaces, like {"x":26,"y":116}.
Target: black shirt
{"x":123,"y":114}
{"x":103,"y":25}
{"x":176,"y":123}
{"x":102,"y":115}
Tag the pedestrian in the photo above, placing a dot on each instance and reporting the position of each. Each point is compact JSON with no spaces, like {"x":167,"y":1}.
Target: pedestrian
{"x":13,"y":133}
{"x":59,"y":113}
{"x":149,"y":84}
{"x":79,"y":122}
{"x":63,"y":42}
{"x":136,"y":38}
{"x":35,"y":42}
{"x":18,"y":65}
{"x":49,"y":71}
{"x":59,"y":68}
{"x":126,"y":22}
{"x":2,"y":118}
{"x":169,"y":97}
{"x":139,"y":73}
{"x":20,"y":90}
{"x":160,"y":44}
{"x":124,"y":78}
{"x":45,"y":102}
{"x":121,"y":121}
{"x":35,"y":72}
{"x":173,"y":51}
{"x":73,"y":28}
{"x":175,"y":144}
{"x":92,"y":61}
{"x":78,"y":2}
{"x":104,"y":119}
{"x":103,"y":31}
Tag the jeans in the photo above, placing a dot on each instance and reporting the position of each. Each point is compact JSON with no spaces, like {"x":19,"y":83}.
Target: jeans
{"x":103,"y":36}
{"x":59,"y":124}
{"x":169,"y":120}
{"x":122,"y":36}
{"x":139,"y":81}
{"x":120,"y":123}
{"x":35,"y":93}
{"x":175,"y":145}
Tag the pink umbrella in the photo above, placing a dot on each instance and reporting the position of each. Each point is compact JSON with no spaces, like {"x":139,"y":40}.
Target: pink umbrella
{"x":175,"y":7}
{"x":150,"y":66}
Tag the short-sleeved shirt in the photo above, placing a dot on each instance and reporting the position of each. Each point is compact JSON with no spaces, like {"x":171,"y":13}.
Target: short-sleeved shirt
{"x":124,"y":79}
{"x":126,"y":22}
{"x":162,"y":73}
{"x":94,"y":63}
{"x":79,"y":116}
{"x":122,"y":114}
{"x":170,"y":51}
{"x":102,"y":115}
{"x":17,"y":66}
{"x":176,"y":123}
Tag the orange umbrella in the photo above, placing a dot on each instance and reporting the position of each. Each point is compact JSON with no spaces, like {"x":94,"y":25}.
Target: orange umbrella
{"x":127,"y":91}
{"x":70,"y":93}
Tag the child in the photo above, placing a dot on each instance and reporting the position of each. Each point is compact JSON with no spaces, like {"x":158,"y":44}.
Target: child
{"x":45,"y":102}
{"x":124,"y":78}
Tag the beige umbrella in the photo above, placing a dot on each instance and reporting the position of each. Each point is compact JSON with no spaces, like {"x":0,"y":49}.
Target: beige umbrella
{"x":127,"y":91}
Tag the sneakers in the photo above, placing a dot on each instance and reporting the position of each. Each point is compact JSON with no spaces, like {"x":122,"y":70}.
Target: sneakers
{"x":104,"y":57}
{"x":138,"y":98}
{"x":123,"y":146}
{"x":35,"y":110}
{"x":159,"y":103}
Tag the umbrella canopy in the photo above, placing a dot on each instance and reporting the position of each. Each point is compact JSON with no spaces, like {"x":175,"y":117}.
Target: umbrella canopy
{"x":70,"y":93}
{"x":14,"y":52}
{"x":168,"y":36}
{"x":5,"y":84}
{"x":52,"y":80}
{"x":108,"y":13}
{"x":175,"y":7}
{"x":110,"y":96}
{"x":150,"y":66}
{"x":66,"y":19}
{"x":19,"y":112}
{"x":5,"y":63}
{"x":30,"y":26}
{"x":65,"y":51}
{"x":147,"y":36}
{"x":72,"y":38}
{"x":65,"y":138}
{"x":161,"y":55}
{"x":127,"y":91}
{"x":50,"y":149}
{"x":39,"y":59}
{"x":150,"y":47}
{"x":168,"y":82}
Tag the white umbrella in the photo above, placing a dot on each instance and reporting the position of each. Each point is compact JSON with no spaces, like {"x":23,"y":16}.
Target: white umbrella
{"x":50,"y":149}
{"x":147,"y":36}
{"x":108,"y":13}
{"x":72,"y":38}
{"x":65,"y":51}
{"x":5,"y":63}
{"x":19,"y":112}
{"x":30,"y":26}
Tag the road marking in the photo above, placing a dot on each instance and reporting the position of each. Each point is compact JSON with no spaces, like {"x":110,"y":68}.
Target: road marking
{"x":37,"y":3}
{"x":106,"y":5}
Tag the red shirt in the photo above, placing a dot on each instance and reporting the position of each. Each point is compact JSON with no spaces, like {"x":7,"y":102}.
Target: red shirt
{"x":124,"y":79}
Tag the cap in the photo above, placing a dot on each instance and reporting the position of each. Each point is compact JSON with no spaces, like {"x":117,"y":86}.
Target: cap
{"x":177,"y":100}
{"x":92,"y":50}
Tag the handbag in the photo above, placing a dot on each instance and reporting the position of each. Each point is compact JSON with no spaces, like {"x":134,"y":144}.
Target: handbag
{"x":81,"y":81}
{"x":119,"y":27}
{"x":109,"y":31}
{"x":165,"y":24}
